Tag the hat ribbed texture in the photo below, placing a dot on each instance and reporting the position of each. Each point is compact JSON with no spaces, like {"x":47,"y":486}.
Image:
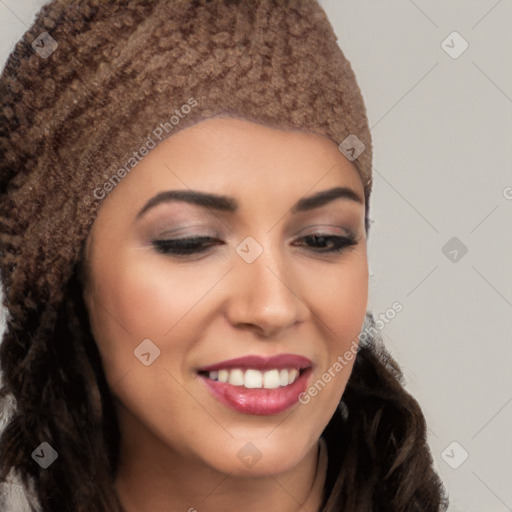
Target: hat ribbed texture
{"x":130,"y":71}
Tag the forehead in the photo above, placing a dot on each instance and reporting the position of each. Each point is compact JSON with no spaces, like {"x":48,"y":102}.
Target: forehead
{"x":229,"y":151}
{"x":245,"y":160}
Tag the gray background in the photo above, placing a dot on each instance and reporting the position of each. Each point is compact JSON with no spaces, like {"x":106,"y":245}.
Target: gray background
{"x":442,"y":131}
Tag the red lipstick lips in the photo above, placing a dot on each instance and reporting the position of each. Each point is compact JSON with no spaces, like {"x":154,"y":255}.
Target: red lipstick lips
{"x":258,"y":385}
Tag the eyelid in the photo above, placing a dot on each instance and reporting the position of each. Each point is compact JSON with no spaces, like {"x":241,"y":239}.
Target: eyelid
{"x":317,"y":228}
{"x":200,"y":230}
{"x":186,"y":231}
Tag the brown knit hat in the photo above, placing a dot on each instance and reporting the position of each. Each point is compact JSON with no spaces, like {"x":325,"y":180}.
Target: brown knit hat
{"x":94,"y":85}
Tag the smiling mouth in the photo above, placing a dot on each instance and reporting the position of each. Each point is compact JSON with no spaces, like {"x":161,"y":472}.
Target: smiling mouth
{"x":251,"y":378}
{"x":259,"y":385}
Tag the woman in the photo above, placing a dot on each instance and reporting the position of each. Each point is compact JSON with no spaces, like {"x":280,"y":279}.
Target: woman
{"x":185,"y":197}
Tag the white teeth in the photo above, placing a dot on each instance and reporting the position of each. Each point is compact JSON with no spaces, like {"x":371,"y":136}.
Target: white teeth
{"x":283,"y":377}
{"x":236,"y":377}
{"x":253,"y":379}
{"x":271,"y":379}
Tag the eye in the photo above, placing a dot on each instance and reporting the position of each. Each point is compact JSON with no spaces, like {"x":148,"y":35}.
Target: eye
{"x":328,"y":243}
{"x":185,"y":246}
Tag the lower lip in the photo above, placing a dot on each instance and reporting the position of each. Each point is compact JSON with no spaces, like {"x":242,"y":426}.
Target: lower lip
{"x":260,"y":401}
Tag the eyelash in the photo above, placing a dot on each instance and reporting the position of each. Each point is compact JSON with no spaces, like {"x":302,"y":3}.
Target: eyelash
{"x":195,"y":245}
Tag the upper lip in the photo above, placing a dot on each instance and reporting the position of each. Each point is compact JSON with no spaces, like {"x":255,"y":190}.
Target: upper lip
{"x":279,"y":362}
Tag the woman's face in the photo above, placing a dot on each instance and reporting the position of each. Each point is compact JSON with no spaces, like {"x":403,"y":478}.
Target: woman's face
{"x":256,"y":279}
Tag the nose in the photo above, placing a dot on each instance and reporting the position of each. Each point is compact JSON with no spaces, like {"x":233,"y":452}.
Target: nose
{"x":264,"y":297}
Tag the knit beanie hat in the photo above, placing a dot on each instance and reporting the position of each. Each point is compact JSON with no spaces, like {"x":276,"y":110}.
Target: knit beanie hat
{"x":94,"y":85}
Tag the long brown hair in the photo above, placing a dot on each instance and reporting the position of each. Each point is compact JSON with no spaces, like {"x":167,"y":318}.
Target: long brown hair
{"x":382,"y":459}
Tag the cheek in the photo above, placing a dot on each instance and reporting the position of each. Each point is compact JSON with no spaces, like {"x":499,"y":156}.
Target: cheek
{"x":338,"y":297}
{"x":131,"y":302}
{"x":148,"y":298}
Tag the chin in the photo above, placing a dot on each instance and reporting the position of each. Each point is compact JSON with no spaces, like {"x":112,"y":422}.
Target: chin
{"x":257,"y":458}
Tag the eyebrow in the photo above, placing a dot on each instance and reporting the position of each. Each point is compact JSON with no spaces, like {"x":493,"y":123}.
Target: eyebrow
{"x":230,"y":205}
